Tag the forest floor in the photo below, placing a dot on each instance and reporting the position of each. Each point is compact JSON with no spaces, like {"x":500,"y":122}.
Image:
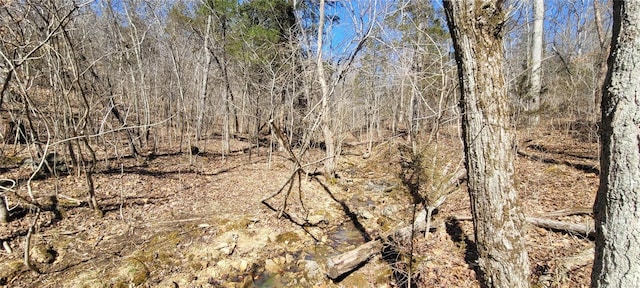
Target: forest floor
{"x":181,"y":220}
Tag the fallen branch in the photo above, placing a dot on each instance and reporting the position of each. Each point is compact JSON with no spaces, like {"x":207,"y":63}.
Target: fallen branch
{"x":344,"y":263}
{"x":570,"y":212}
{"x":579,"y":229}
{"x":586,"y":230}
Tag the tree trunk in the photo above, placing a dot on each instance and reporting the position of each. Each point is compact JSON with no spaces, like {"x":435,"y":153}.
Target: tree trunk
{"x":533,"y":95}
{"x":476,"y":30}
{"x":205,"y":80}
{"x":4,"y":212}
{"x":617,"y":253}
{"x":329,"y":162}
{"x":601,"y":60}
{"x":5,"y":78}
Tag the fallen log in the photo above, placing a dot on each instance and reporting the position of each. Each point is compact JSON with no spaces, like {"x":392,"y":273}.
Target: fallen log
{"x":579,"y":229}
{"x":346,"y":262}
{"x":570,"y":212}
{"x":586,"y":230}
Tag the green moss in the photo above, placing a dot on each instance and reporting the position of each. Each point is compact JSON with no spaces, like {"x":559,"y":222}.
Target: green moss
{"x":133,"y":271}
{"x":356,"y":280}
{"x":383,"y":276}
{"x":11,"y":160}
{"x":165,"y":239}
{"x":196,"y":266}
{"x":9,"y":269}
{"x":555,"y":170}
{"x":288,"y":237}
{"x":385,"y":224}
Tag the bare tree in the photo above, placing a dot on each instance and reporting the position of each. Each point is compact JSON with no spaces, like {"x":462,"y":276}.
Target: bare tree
{"x":329,"y":162}
{"x":617,"y":253}
{"x":532,"y":99}
{"x":488,"y":136}
{"x":601,"y":58}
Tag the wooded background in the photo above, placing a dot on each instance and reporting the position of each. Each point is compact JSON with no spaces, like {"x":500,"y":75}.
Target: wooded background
{"x":121,"y":77}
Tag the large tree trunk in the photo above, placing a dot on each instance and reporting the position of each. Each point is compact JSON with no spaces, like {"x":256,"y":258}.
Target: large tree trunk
{"x":617,"y":253}
{"x":488,"y":135}
{"x":533,"y":95}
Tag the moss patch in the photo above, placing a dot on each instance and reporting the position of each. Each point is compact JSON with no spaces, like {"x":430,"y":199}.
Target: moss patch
{"x":132,"y":271}
{"x":288,"y":237}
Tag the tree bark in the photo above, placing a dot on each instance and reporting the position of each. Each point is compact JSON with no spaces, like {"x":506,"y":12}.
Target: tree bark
{"x":617,"y":253}
{"x":476,"y":30}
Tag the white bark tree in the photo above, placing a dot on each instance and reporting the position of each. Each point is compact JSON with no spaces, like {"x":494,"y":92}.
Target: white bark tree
{"x":533,"y":95}
{"x":476,"y":28}
{"x":617,"y":217}
{"x":330,"y":161}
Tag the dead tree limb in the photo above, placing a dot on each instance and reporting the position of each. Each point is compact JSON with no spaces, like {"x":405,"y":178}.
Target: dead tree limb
{"x":586,"y":229}
{"x":344,"y":263}
{"x":569,"y":212}
{"x":579,"y":229}
{"x":298,"y":170}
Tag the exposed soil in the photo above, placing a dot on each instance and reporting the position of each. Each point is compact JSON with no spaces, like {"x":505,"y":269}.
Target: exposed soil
{"x":181,"y":220}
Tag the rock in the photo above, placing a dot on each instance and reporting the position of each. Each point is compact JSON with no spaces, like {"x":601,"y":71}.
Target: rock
{"x":364,"y":213}
{"x":280,"y":261}
{"x":43,"y":254}
{"x":390,"y":210}
{"x":243,"y":265}
{"x":271,"y":266}
{"x":312,"y":268}
{"x":379,"y":186}
{"x":288,"y":258}
{"x":316,"y":220}
{"x":223,"y":265}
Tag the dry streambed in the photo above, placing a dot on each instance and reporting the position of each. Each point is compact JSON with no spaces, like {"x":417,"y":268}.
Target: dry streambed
{"x":150,"y":238}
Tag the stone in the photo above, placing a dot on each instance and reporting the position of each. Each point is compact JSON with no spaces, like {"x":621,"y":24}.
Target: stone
{"x":364,"y":213}
{"x":312,"y":268}
{"x":271,"y":266}
{"x":243,"y":265}
{"x":390,"y":211}
{"x":289,"y":259}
